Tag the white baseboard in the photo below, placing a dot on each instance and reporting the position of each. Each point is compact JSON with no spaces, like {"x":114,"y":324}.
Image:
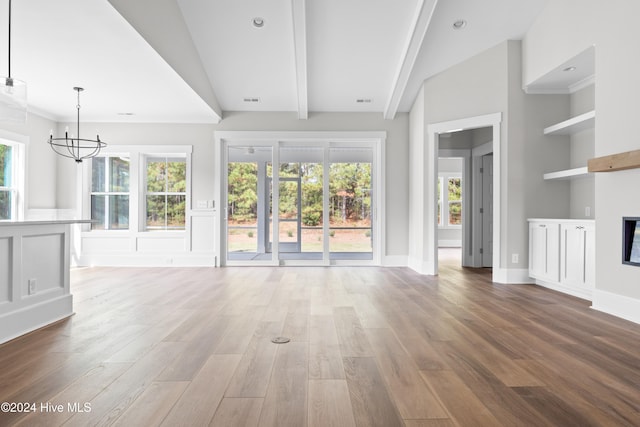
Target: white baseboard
{"x":449,"y":243}
{"x":580,"y":293}
{"x":148,"y":260}
{"x":512,"y":276}
{"x":617,"y":305}
{"x":395,"y":261}
{"x":28,"y":319}
{"x":421,"y":267}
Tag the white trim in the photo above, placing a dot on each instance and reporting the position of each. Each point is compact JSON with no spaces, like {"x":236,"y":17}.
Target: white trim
{"x":395,"y":260}
{"x":420,"y":266}
{"x":444,"y":243}
{"x":151,"y":149}
{"x":30,"y":318}
{"x":482,"y":150}
{"x":417,"y":32}
{"x":540,"y":91}
{"x":511,"y":276}
{"x":586,"y":82}
{"x":572,"y":88}
{"x":454,"y":152}
{"x":570,"y":290}
{"x":432,"y":152}
{"x":298,"y":136}
{"x":617,"y":305}
{"x":18,"y":144}
{"x":200,"y":259}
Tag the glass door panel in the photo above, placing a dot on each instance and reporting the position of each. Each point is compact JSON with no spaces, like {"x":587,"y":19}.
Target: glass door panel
{"x":350,"y":204}
{"x":248,"y":203}
{"x":311,"y":176}
{"x":301,"y":202}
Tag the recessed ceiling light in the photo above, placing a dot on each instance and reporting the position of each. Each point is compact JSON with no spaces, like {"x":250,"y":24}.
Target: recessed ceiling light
{"x":569,"y":69}
{"x":258,"y":22}
{"x":459,"y":24}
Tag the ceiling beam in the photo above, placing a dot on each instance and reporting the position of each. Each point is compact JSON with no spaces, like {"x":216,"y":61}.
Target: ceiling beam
{"x":161,"y":24}
{"x":300,"y":51}
{"x":424,"y":13}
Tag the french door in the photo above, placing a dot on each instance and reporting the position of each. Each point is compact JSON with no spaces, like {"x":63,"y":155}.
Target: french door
{"x":300,"y":203}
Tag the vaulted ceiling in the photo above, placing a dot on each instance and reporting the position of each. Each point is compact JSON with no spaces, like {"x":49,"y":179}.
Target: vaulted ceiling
{"x":188,"y":61}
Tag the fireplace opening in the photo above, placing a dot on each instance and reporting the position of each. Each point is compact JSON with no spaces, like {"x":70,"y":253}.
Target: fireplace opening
{"x":631,"y":241}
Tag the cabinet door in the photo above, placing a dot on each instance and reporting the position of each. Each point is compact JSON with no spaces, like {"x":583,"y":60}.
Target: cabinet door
{"x":590,"y":256}
{"x":578,"y":255}
{"x":544,"y":251}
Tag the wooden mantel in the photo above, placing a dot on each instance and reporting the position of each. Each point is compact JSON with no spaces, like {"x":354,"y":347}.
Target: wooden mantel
{"x":615,"y":162}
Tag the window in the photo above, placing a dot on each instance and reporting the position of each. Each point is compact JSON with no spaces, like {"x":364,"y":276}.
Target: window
{"x":449,"y":201}
{"x":110,"y":193}
{"x":7,"y":189}
{"x":12,"y":168}
{"x":138,"y":188}
{"x":166,"y":193}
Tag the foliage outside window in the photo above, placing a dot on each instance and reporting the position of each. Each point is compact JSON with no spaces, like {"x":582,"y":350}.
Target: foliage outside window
{"x":7,"y":188}
{"x":110,"y":193}
{"x":166,"y":193}
{"x":450,"y":202}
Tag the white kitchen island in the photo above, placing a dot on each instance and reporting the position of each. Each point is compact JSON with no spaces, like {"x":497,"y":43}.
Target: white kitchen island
{"x":34,"y":275}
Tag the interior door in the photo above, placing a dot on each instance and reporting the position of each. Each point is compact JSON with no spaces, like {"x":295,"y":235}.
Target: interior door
{"x":487,"y":210}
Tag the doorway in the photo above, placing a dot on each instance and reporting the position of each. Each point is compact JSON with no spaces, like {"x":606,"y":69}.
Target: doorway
{"x":289,"y":202}
{"x":472,"y":234}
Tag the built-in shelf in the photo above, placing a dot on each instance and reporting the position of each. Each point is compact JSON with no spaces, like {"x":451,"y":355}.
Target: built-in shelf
{"x":568,"y":173}
{"x":573,"y":125}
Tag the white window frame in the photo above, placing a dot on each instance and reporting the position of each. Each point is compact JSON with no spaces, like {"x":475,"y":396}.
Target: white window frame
{"x":110,"y":193}
{"x":443,"y":179}
{"x":143,"y":170}
{"x":18,"y":173}
{"x":137,"y":185}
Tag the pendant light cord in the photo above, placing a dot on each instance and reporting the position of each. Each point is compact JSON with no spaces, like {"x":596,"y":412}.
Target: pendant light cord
{"x":9,"y":39}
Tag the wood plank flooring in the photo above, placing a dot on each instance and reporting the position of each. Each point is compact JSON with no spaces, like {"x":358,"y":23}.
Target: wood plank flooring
{"x":369,"y":347}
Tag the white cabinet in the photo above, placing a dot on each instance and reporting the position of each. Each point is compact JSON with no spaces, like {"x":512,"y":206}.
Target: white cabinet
{"x":562,"y":255}
{"x":578,"y":255}
{"x":544,"y":250}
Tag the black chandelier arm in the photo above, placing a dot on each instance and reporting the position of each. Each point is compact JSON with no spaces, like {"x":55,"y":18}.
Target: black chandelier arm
{"x":76,"y":148}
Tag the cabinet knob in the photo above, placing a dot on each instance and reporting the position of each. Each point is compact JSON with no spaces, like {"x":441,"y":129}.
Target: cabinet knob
{"x":579,"y":227}
{"x":542,"y":225}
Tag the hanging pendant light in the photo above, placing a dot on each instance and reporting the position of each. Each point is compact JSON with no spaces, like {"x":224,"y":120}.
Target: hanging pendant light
{"x":13,"y":92}
{"x":75,"y":147}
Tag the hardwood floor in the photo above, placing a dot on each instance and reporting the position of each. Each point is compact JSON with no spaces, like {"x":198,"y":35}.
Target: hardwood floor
{"x":369,"y":347}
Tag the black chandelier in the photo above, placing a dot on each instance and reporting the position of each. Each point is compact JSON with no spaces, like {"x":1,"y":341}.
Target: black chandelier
{"x":75,"y":147}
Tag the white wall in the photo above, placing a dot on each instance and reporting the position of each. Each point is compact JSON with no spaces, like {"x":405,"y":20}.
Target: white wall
{"x":564,"y":29}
